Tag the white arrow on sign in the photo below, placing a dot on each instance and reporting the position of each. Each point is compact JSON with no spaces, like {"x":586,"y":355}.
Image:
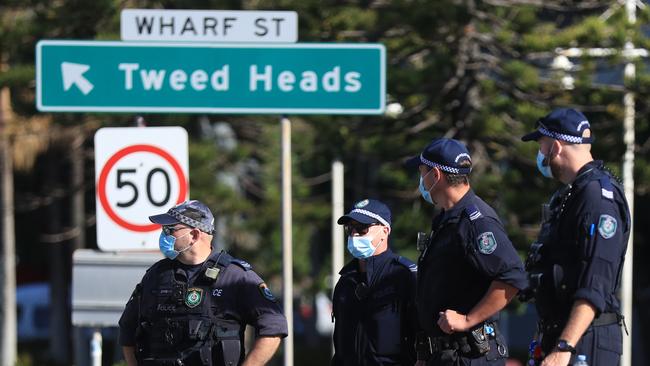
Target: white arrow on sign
{"x":73,"y":74}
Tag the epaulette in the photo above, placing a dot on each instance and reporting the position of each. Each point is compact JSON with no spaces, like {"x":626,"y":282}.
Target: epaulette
{"x":242,"y":263}
{"x":407,"y":263}
{"x":473,"y":212}
{"x":606,"y":188}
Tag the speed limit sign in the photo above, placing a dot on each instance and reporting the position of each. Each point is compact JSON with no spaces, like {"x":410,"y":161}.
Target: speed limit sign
{"x":139,"y":172}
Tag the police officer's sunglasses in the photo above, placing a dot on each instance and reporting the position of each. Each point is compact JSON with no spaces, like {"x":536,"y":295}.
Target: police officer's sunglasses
{"x":169,"y":229}
{"x":361,"y":229}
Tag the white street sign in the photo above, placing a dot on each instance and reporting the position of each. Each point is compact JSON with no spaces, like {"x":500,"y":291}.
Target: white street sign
{"x":209,"y":25}
{"x":139,"y":172}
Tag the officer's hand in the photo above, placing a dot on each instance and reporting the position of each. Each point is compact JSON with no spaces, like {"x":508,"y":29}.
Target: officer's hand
{"x":451,"y":321}
{"x":557,"y":359}
{"x":421,"y":363}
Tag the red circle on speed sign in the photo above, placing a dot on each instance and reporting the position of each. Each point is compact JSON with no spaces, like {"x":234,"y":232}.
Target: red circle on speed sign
{"x":103,"y":177}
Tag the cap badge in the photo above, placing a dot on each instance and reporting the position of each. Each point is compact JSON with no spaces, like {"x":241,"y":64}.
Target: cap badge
{"x":361,"y":204}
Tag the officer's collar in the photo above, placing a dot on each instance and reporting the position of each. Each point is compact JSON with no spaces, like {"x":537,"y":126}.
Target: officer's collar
{"x":458,"y":208}
{"x":353,"y":265}
{"x":586,"y":171}
{"x":375,"y":265}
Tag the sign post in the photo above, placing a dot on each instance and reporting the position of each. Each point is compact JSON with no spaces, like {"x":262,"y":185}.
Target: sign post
{"x":139,"y":172}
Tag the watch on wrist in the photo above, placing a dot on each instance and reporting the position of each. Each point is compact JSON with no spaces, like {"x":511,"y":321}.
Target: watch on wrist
{"x":564,"y":346}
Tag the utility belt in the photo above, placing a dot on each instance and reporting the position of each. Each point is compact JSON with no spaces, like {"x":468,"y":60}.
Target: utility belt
{"x":550,"y":327}
{"x":194,"y":342}
{"x":548,"y":333}
{"x":471,"y":344}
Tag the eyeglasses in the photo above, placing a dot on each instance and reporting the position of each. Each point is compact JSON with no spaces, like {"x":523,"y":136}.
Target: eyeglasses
{"x":169,"y":230}
{"x":360,"y":229}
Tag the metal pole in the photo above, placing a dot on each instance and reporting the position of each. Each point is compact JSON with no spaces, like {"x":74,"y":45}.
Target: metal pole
{"x":337,"y":211}
{"x":287,"y":245}
{"x":337,"y":230}
{"x":77,"y":158}
{"x":628,"y":183}
{"x":8,"y":255}
{"x":96,"y":348}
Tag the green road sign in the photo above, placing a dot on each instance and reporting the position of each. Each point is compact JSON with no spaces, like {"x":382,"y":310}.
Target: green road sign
{"x":94,"y":76}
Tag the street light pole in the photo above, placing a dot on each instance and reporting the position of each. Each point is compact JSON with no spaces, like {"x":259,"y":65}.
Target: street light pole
{"x":628,"y":185}
{"x":7,"y":240}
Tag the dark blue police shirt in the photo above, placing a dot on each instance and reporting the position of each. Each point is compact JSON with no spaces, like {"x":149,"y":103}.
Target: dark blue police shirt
{"x":375,"y":323}
{"x":468,"y":249}
{"x":240,"y":294}
{"x":592,"y":230}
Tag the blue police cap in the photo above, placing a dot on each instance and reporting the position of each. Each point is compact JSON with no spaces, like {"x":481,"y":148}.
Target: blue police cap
{"x":444,"y":154}
{"x":367,"y":212}
{"x":566,"y":124}
{"x":191,"y":213}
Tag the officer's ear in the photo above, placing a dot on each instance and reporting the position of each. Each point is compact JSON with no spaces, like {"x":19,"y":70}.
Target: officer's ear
{"x":437,"y":174}
{"x":386,"y":230}
{"x":196,"y":234}
{"x":556,"y":149}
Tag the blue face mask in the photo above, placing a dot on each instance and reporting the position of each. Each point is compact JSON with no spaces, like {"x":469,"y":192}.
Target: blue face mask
{"x":361,"y":246}
{"x":166,"y":245}
{"x":544,"y":169}
{"x":423,"y":191}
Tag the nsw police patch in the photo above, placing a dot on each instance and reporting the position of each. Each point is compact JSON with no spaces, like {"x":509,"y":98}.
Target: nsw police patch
{"x":486,"y":242}
{"x":193,"y":297}
{"x":266,"y":292}
{"x":607,"y":226}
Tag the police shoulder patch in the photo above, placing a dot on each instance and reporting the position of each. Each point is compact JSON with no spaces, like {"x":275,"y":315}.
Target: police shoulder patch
{"x":361,"y":204}
{"x":607,"y":226}
{"x":193,"y":297}
{"x":266,"y":292}
{"x":486,"y":242}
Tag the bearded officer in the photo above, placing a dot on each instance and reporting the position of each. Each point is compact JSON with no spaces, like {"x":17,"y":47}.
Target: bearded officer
{"x":468,"y":270}
{"x":575,"y":265}
{"x":192,"y":307}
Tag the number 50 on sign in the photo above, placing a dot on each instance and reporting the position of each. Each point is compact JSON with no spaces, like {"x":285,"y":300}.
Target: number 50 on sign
{"x":139,"y":172}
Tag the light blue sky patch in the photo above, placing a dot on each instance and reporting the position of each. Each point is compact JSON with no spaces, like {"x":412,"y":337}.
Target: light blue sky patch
{"x":607,"y":226}
{"x":486,"y":242}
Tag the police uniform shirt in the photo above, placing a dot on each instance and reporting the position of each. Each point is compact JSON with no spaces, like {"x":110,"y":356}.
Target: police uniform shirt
{"x":468,"y":250}
{"x":375,"y":324}
{"x":591,"y":236}
{"x":238,"y":293}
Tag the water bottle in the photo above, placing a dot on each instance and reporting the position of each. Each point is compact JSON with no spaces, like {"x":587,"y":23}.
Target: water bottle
{"x":581,"y":360}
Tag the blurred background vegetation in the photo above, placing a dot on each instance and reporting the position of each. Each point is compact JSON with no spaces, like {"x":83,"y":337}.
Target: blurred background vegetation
{"x":479,"y":71}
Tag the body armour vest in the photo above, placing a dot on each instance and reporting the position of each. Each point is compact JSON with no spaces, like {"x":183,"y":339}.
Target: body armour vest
{"x":180,"y":322}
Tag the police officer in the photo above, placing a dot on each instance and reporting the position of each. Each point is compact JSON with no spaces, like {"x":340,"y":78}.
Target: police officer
{"x":373,"y":300}
{"x":191,"y":308}
{"x":468,"y":270}
{"x":575,"y":265}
